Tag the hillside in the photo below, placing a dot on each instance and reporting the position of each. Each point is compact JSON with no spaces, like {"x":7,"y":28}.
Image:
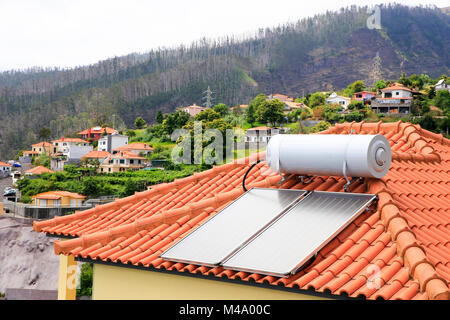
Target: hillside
{"x":324,"y":52}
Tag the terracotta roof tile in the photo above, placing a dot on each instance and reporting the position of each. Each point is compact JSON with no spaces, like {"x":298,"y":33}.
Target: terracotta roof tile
{"x":39,"y":170}
{"x":406,"y":239}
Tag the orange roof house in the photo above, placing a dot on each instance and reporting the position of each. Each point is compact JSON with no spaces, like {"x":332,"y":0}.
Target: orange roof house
{"x":136,"y":147}
{"x":58,"y":198}
{"x":43,"y":147}
{"x":5,"y":166}
{"x":38,"y":170}
{"x":70,"y":140}
{"x":96,"y":155}
{"x":193,"y":110}
{"x":95,"y":133}
{"x":407,"y":238}
{"x":122,"y":161}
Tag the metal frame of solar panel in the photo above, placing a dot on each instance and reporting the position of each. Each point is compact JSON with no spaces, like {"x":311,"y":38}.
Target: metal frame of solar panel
{"x":295,"y":237}
{"x":224,"y":233}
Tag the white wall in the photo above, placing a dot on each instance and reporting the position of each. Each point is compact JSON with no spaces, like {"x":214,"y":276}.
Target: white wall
{"x":117,"y":140}
{"x":76,"y":152}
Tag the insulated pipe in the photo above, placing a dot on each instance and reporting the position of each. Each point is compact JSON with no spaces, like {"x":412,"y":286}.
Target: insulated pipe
{"x":330,"y":155}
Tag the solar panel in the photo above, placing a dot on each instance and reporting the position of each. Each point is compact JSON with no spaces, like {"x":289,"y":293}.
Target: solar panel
{"x":291,"y":240}
{"x":232,"y":227}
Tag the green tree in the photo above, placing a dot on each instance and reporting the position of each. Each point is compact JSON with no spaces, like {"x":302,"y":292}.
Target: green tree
{"x":442,"y":101}
{"x":86,"y":276}
{"x":222,"y":109}
{"x":380,"y":84}
{"x":316,"y":99}
{"x":207,"y":115}
{"x":139,"y":123}
{"x":250,"y":114}
{"x":159,"y":117}
{"x":45,"y":133}
{"x":270,"y":111}
{"x":260,"y":98}
{"x":356,"y":86}
{"x":174,"y":121}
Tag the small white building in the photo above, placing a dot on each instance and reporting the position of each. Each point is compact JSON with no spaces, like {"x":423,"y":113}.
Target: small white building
{"x":5,"y":167}
{"x":335,"y":99}
{"x":262,"y":134}
{"x":441,"y":85}
{"x":112,"y":141}
{"x":63,"y":145}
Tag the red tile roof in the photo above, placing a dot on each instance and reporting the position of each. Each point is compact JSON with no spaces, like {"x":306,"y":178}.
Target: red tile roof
{"x":408,"y":238}
{"x":98,"y":130}
{"x":126,"y":155}
{"x":58,"y":195}
{"x":39,"y":170}
{"x":134,"y":146}
{"x":4,"y":164}
{"x":96,"y":154}
{"x":75,"y":140}
{"x":396,"y":86}
{"x":42,"y":144}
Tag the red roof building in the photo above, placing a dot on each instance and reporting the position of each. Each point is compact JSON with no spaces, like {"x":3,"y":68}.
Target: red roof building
{"x":407,"y":239}
{"x":96,"y":133}
{"x":38,"y":170}
{"x":96,"y":155}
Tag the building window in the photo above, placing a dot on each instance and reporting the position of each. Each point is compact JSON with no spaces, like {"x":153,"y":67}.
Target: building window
{"x":122,"y":161}
{"x":397,"y":93}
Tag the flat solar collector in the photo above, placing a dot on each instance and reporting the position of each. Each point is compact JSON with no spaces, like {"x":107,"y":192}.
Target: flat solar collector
{"x":223,"y":234}
{"x":290,"y":241}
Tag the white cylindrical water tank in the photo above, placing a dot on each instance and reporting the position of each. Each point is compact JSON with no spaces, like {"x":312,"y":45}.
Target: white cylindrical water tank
{"x":326,"y":154}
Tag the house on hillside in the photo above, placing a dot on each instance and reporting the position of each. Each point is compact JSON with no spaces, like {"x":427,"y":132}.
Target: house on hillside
{"x":112,"y":141}
{"x":193,"y":110}
{"x":289,"y":103}
{"x":58,"y":199}
{"x":442,"y":85}
{"x":63,"y":145}
{"x":100,"y":156}
{"x":68,"y":151}
{"x":335,"y":99}
{"x":43,"y":147}
{"x":395,"y":99}
{"x":365,"y":96}
{"x":5,"y":167}
{"x":394,"y":250}
{"x":140,"y":148}
{"x":122,"y":161}
{"x":262,"y":135}
{"x":280,"y":97}
{"x":96,"y":133}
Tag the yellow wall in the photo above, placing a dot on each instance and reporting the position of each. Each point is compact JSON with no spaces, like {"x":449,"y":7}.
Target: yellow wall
{"x":110,"y":282}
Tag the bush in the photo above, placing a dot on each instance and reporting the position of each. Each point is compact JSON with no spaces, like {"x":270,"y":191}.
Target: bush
{"x":87,"y":271}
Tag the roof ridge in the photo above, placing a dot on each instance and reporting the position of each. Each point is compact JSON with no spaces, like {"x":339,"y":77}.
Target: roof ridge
{"x":191,"y":210}
{"x":408,"y":248}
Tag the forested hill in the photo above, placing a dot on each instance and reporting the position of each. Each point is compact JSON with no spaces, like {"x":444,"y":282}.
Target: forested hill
{"x":324,"y":52}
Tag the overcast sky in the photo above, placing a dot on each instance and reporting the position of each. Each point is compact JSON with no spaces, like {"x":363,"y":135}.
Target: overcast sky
{"x":79,"y":32}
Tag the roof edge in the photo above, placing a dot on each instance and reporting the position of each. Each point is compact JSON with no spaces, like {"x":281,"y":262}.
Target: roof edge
{"x":408,"y":248}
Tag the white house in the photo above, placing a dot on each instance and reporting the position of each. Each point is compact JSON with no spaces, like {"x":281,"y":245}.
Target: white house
{"x":262,"y":134}
{"x":335,"y":99}
{"x":394,"y":99}
{"x":5,"y":167}
{"x":442,"y":85}
{"x":63,"y":145}
{"x":112,"y":141}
